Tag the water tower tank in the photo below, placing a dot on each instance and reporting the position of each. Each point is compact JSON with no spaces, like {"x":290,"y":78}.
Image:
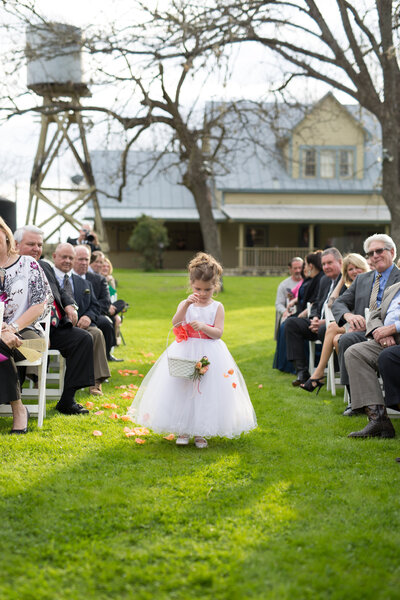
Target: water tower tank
{"x":53,"y":53}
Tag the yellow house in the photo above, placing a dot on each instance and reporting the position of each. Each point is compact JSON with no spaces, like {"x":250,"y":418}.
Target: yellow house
{"x":318,"y":184}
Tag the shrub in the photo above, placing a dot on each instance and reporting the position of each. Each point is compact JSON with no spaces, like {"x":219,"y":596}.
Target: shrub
{"x":149,"y":238}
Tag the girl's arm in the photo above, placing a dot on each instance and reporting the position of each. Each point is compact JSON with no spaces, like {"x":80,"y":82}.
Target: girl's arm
{"x":179,"y":316}
{"x":213,"y":332}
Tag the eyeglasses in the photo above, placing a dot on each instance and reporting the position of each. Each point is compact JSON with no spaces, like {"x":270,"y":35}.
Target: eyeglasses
{"x":378,"y":252}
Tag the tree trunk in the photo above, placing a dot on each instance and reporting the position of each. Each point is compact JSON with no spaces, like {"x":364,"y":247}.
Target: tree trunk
{"x":391,"y":174}
{"x":196,"y":180}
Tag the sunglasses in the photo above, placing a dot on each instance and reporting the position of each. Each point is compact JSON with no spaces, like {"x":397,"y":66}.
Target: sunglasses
{"x":378,"y":252}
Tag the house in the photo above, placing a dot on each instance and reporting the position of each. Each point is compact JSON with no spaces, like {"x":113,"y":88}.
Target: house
{"x":315,"y":183}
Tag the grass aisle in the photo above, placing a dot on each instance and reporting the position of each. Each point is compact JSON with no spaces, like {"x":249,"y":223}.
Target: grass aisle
{"x":295,"y":510}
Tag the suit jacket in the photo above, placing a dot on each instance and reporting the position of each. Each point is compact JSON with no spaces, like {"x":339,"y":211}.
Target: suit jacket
{"x":61,"y":297}
{"x":323,"y":291}
{"x":356,"y":298}
{"x":85,"y":298}
{"x":101,"y":290}
{"x":377,"y":317}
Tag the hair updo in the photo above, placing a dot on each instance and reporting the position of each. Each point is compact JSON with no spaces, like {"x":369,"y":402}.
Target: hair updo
{"x":204,"y":267}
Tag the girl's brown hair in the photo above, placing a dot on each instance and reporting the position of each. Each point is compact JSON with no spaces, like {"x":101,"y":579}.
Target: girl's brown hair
{"x":204,"y":267}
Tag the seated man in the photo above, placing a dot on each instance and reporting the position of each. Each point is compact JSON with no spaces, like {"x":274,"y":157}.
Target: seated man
{"x":295,"y":267}
{"x":73,"y":343}
{"x":88,"y":310}
{"x":366,"y":292}
{"x":299,"y":329}
{"x":363,"y":360}
{"x":100,"y":287}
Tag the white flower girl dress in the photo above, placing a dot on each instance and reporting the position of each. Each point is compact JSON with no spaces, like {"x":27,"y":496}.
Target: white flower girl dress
{"x":216,"y":405}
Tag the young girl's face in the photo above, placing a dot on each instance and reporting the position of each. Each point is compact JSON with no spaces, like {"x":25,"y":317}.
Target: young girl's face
{"x":204,"y":290}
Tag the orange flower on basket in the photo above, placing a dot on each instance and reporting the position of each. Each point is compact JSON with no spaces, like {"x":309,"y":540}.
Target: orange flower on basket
{"x":140,"y":441}
{"x":234,"y":385}
{"x":225,"y":375}
{"x":231,"y":371}
{"x":181,"y":335}
{"x":169,"y":437}
{"x":97,"y":433}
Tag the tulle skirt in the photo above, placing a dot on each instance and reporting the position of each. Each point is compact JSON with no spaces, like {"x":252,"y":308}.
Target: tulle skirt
{"x":216,"y":405}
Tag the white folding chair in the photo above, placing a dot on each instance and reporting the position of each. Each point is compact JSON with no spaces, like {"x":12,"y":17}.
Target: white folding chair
{"x":38,"y":409}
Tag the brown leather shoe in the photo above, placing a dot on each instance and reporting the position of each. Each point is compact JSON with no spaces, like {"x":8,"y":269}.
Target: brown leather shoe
{"x":96,"y":390}
{"x":379,"y":424}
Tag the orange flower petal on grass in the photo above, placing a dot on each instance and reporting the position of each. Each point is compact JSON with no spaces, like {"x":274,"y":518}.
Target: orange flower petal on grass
{"x":106,"y":405}
{"x":99,"y":412}
{"x":169,"y":437}
{"x":97,"y":433}
{"x":89,"y":405}
{"x":126,"y":418}
{"x":140,"y":375}
{"x":114,"y":415}
{"x":231,"y":371}
{"x":141,"y":430}
{"x":115,"y":406}
{"x":260,"y":386}
{"x":140,"y":441}
{"x":127,"y":430}
{"x":129,"y":434}
{"x":234,"y":385}
{"x":127,"y":395}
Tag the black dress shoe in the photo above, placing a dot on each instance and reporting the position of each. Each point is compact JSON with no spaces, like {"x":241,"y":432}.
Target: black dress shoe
{"x":73,"y":409}
{"x":349,"y":412}
{"x":25,"y":429}
{"x":112,"y":358}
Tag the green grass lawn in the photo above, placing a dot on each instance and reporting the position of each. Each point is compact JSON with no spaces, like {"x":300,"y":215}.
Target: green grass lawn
{"x":293,"y":510}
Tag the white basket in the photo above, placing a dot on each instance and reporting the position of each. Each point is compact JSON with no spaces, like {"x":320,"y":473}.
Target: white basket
{"x":180,"y":367}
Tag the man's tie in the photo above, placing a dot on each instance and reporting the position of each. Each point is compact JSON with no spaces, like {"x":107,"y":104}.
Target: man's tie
{"x":373,"y":305}
{"x":67,"y":285}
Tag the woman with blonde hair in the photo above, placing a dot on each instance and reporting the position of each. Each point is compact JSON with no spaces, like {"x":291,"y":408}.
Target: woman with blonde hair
{"x":26,"y":294}
{"x":353,"y":264}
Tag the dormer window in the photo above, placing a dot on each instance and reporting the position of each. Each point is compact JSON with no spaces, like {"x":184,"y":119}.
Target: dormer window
{"x":327,"y":163}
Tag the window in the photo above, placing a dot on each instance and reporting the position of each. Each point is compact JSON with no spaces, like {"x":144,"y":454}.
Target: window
{"x":345,"y":164}
{"x":310,"y":164}
{"x":327,"y":163}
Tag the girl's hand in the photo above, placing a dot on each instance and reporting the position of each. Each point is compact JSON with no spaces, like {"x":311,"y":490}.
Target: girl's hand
{"x":197,"y":325}
{"x":193,"y":298}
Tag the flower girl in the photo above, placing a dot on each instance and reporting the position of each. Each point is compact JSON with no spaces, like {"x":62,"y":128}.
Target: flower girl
{"x":214,"y":400}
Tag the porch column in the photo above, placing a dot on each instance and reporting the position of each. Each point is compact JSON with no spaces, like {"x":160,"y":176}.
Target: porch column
{"x":241,"y":244}
{"x":387,"y":229}
{"x":311,"y":237}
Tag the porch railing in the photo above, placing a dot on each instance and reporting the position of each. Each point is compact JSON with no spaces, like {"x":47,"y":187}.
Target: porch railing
{"x":273,"y":259}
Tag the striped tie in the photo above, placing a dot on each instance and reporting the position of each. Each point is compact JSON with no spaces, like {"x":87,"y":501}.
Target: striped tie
{"x":373,"y":305}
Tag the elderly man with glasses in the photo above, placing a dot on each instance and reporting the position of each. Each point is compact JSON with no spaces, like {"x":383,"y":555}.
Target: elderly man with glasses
{"x":365,"y":292}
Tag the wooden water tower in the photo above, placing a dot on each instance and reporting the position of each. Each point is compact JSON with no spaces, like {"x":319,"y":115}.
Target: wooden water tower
{"x":53,"y":52}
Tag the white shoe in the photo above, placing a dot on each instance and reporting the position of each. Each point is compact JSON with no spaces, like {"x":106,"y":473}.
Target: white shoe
{"x":200,"y":442}
{"x":182,"y":440}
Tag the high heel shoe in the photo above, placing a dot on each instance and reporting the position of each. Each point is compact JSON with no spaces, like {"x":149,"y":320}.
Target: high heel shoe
{"x":309,"y":387}
{"x":25,"y":429}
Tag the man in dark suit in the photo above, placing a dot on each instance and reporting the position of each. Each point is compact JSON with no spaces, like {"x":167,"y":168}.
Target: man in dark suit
{"x":365,"y":292}
{"x":100,"y":287}
{"x":300,"y":329}
{"x":88,"y":310}
{"x":73,"y":343}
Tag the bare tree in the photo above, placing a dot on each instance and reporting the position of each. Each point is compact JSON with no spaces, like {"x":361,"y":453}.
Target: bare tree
{"x":351,"y":46}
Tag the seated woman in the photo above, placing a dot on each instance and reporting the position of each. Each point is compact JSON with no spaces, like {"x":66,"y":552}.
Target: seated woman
{"x":116,"y":305}
{"x":353,"y":264}
{"x":26,"y":295}
{"x":312,"y":273}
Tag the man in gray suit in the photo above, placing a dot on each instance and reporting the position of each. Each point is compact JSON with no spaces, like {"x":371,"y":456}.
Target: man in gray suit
{"x":350,"y":306}
{"x":363,"y":361}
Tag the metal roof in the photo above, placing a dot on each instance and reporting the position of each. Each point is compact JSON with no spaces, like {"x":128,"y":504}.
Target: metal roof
{"x":297,"y":213}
